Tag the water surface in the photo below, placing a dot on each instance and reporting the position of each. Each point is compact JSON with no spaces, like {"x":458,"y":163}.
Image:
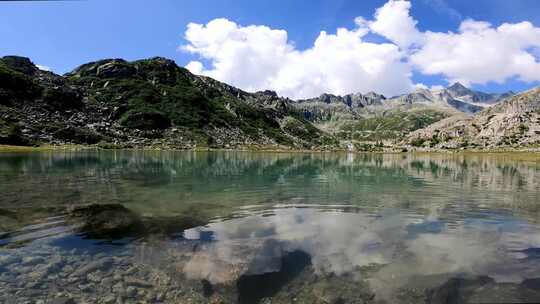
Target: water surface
{"x":278,"y":228}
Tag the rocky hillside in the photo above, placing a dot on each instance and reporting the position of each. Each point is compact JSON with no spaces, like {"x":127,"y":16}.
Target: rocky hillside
{"x":373,"y":117}
{"x":145,"y":103}
{"x":514,"y":122}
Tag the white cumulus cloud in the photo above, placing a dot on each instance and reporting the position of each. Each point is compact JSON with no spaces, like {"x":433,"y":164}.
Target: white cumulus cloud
{"x":480,"y":53}
{"x":257,"y":57}
{"x":394,"y":22}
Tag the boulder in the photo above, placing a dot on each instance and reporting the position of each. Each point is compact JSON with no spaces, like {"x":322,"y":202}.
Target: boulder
{"x":107,"y":221}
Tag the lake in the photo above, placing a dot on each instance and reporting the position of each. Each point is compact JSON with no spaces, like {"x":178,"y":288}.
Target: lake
{"x":246,"y":227}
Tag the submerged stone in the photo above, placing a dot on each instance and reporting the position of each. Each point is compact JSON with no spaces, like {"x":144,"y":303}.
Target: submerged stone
{"x":107,"y":221}
{"x":114,"y":221}
{"x":100,"y":264}
{"x":253,"y":288}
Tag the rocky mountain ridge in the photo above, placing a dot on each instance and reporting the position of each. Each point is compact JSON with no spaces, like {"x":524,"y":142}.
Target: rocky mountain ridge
{"x":353,"y":106}
{"x":144,"y":103}
{"x":155,"y":103}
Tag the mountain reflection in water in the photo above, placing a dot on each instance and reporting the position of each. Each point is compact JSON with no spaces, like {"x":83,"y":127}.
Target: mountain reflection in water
{"x":316,"y":228}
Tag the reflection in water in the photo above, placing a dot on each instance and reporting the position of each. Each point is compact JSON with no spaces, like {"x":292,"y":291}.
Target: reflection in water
{"x":322,"y":228}
{"x":339,"y":243}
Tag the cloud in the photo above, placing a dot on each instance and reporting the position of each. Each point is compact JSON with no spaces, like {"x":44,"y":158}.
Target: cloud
{"x":480,"y":53}
{"x":257,"y":57}
{"x":43,"y":67}
{"x":394,"y":22}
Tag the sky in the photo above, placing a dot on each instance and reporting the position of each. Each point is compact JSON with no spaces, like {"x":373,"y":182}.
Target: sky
{"x":298,"y":48}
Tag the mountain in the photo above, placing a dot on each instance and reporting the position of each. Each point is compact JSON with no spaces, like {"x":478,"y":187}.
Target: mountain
{"x":460,"y":92}
{"x":328,"y":107}
{"x":144,"y":103}
{"x":373,"y":117}
{"x":514,"y":122}
{"x":456,"y":96}
{"x":333,"y":107}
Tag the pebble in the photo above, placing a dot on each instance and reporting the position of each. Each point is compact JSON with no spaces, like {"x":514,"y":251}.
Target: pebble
{"x":37,"y":275}
{"x":85,"y":287}
{"x":130,"y":270}
{"x":94,"y":277}
{"x":102,"y":263}
{"x":110,"y":299}
{"x":31,"y":261}
{"x":131,"y":281}
{"x":131,"y":291}
{"x":160,"y":296}
{"x":8,"y":259}
{"x":62,"y":300}
{"x":118,"y":288}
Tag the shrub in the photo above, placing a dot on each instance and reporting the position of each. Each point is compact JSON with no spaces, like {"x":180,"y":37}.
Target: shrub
{"x":418,"y":142}
{"x":10,"y":134}
{"x":15,"y":86}
{"x":61,"y":98}
{"x":145,"y":119}
{"x":523,"y":128}
{"x":77,"y":135}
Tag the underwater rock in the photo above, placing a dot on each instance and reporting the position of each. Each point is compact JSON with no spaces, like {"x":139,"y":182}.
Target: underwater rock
{"x":454,"y":290}
{"x":100,"y":264}
{"x":171,"y":225}
{"x":253,"y":288}
{"x":114,"y":221}
{"x":107,"y":221}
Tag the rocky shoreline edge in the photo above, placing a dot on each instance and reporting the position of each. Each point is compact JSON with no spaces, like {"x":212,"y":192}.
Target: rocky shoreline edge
{"x":269,"y":149}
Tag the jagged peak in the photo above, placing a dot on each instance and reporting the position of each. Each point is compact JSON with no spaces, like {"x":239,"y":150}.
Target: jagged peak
{"x":372,"y":94}
{"x":459,"y":89}
{"x":457,"y":85}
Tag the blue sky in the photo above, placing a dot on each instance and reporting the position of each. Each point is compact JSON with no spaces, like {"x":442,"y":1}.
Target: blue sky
{"x":64,"y":34}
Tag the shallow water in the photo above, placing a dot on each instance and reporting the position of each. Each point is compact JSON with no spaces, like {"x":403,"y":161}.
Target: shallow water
{"x":281,"y":228}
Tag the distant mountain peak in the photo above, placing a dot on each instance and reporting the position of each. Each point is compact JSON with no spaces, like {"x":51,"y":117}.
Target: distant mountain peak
{"x":374,"y":95}
{"x":459,"y":89}
{"x":457,"y":85}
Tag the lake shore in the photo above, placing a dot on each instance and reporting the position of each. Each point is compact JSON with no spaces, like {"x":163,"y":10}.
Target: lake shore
{"x":273,"y":149}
